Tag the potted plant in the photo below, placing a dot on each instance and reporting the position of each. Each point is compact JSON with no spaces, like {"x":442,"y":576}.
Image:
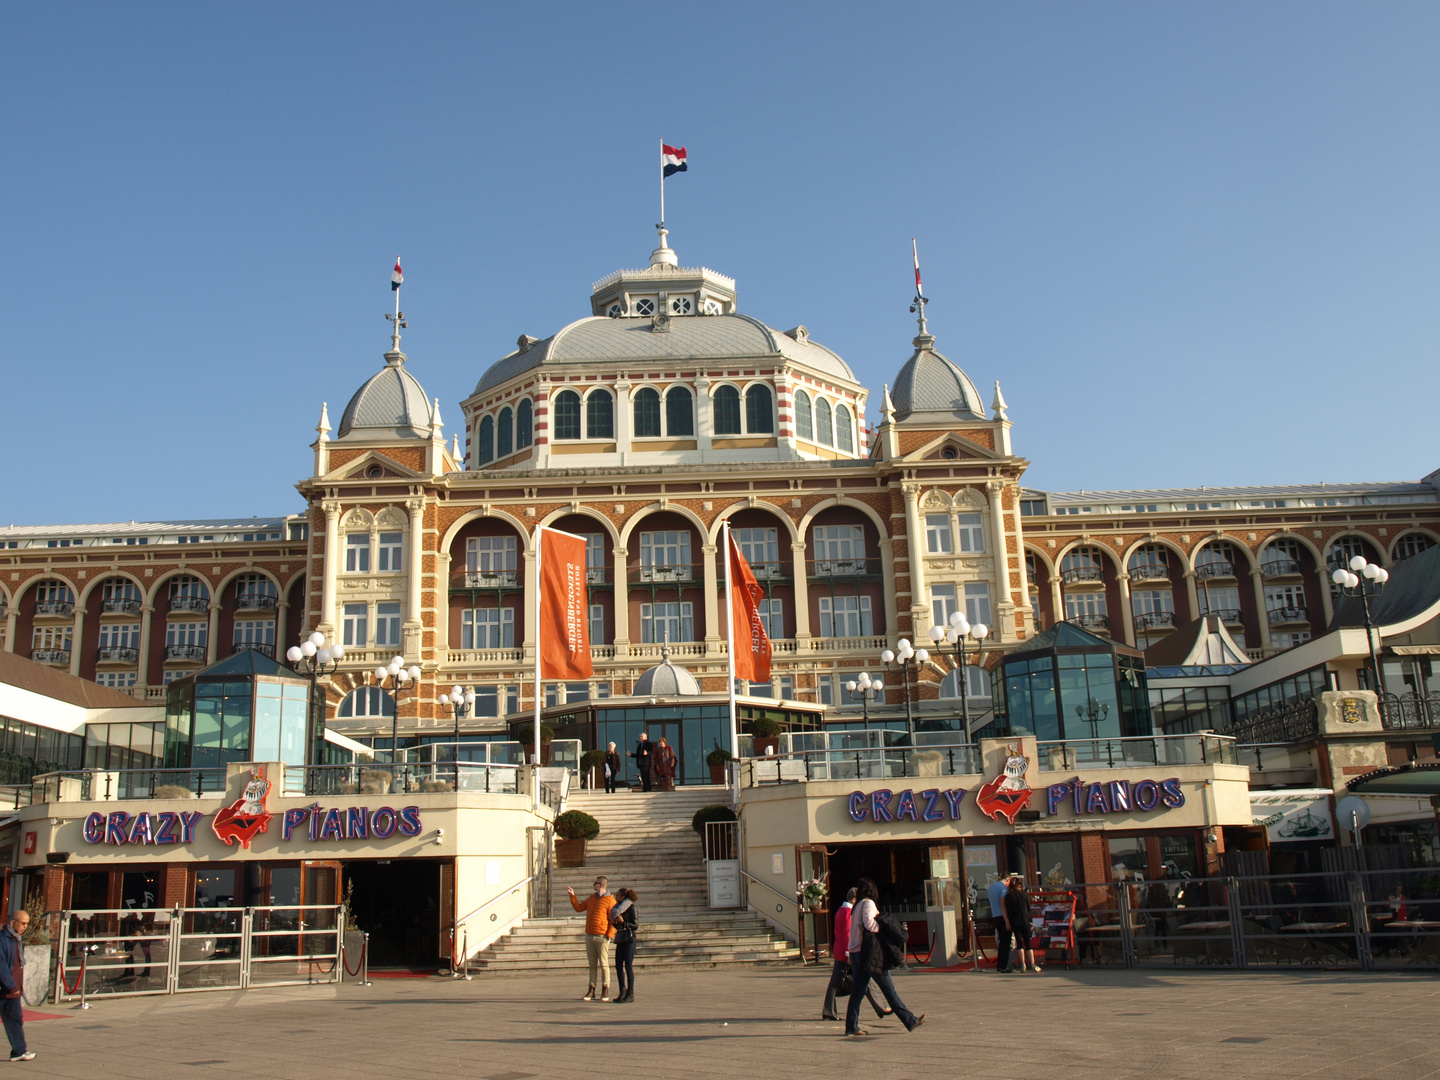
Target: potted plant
{"x":592,"y":767}
{"x":354,"y":938}
{"x":37,"y":950}
{"x":767,"y":734}
{"x":717,"y":759}
{"x":525,"y":734}
{"x":714,"y":842}
{"x":572,"y":829}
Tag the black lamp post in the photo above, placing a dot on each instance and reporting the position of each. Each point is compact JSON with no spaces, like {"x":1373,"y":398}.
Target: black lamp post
{"x":866,"y":686}
{"x":1093,"y":714}
{"x":908,"y":657}
{"x":1364,"y":579}
{"x":460,"y":702}
{"x":400,"y":679}
{"x":960,"y":634}
{"x":314,"y":658}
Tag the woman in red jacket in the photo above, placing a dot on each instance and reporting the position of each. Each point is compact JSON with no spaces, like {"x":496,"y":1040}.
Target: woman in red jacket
{"x":839,"y":949}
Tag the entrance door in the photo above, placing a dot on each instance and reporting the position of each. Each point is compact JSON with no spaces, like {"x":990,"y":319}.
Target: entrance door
{"x":398,"y":904}
{"x":320,"y":887}
{"x":812,"y":863}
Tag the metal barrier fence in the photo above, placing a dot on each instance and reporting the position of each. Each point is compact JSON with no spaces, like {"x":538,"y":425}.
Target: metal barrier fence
{"x":1367,"y":920}
{"x":131,"y":952}
{"x":384,"y":778}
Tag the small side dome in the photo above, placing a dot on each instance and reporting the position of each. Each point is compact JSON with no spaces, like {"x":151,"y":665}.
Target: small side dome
{"x":666,"y":680}
{"x":930,"y":386}
{"x":391,"y":404}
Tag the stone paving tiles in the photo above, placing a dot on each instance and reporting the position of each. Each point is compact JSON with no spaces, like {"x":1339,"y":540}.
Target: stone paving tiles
{"x":764,"y":1024}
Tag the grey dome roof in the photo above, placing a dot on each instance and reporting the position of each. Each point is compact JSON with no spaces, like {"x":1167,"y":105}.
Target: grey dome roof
{"x":931,"y":387}
{"x":690,"y":337}
{"x":391,"y":403}
{"x":666,"y":680}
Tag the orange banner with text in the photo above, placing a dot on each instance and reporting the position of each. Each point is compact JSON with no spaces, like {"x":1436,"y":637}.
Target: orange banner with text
{"x":564,"y":635}
{"x":749,"y":640}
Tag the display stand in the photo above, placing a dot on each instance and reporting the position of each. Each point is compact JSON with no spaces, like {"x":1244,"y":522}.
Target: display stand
{"x":1057,"y":916}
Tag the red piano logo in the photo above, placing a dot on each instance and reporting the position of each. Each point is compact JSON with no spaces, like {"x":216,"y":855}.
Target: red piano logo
{"x":1008,"y":793}
{"x":246,"y":816}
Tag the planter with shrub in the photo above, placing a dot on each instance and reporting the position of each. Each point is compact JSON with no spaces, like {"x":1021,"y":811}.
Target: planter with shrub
{"x":714,"y":843}
{"x":717,"y":759}
{"x":572,"y":829}
{"x":766,"y":733}
{"x":592,"y":767}
{"x":36,"y":942}
{"x":525,"y":736}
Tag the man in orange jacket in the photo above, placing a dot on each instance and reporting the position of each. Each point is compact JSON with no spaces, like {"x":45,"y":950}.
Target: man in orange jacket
{"x":598,"y":934}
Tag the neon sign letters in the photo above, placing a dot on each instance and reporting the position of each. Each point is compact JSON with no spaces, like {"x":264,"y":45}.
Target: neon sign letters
{"x":1116,"y":796}
{"x":933,"y":805}
{"x":315,"y":821}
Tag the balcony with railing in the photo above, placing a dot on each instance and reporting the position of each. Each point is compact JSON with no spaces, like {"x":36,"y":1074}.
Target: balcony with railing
{"x":119,"y":605}
{"x":1083,"y":575}
{"x":53,"y":608}
{"x":1229,"y":616}
{"x":1149,"y":572}
{"x":1293,"y":722}
{"x":185,"y":654}
{"x":51,"y":656}
{"x":189,"y":603}
{"x":1155,"y":620}
{"x":117,"y":654}
{"x":252,"y":601}
{"x":509,"y":580}
{"x":258,"y":646}
{"x":1409,"y":712}
{"x":1275,"y":568}
{"x":1098,"y":624}
{"x":1216,"y":568}
{"x":1286,"y":615}
{"x":670,"y":574}
{"x":828,"y":569}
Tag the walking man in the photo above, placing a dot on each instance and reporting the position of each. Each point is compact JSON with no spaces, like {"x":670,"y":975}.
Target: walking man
{"x":12,"y":979}
{"x":598,"y":934}
{"x":996,"y":892}
{"x":644,"y":756}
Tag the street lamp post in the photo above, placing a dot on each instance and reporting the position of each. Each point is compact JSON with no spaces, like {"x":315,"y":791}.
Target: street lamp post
{"x":866,"y":686}
{"x":959,"y":634}
{"x":460,"y":701}
{"x":1093,"y":714}
{"x":907,"y":657}
{"x":314,"y":658}
{"x":400,"y":679}
{"x":1364,"y":579}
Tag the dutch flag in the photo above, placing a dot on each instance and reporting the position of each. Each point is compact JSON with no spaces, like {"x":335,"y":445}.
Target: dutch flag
{"x":397,"y":278}
{"x":672,"y":159}
{"x":916,"y":251}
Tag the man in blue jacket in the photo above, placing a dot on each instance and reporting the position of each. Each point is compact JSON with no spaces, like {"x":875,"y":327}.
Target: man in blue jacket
{"x":12,"y":980}
{"x":996,"y":893}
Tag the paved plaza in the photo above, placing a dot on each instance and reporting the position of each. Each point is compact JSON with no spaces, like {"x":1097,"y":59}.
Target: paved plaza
{"x":1105,"y":1025}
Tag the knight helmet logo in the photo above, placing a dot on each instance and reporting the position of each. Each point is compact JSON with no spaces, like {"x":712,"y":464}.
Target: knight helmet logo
{"x":246,"y":816}
{"x":1008,"y":793}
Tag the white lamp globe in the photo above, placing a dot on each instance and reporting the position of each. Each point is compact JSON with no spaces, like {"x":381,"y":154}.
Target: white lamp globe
{"x":1352,"y":580}
{"x":456,"y":697}
{"x":317,"y":639}
{"x":902,"y":645}
{"x":1383,"y":576}
{"x":906,"y":653}
{"x":937,"y":633}
{"x":442,"y":700}
{"x":1357,"y":563}
{"x":322,"y":656}
{"x":922,"y":655}
{"x":962,"y":628}
{"x":887,"y":656}
{"x":398,"y":661}
{"x":469,"y":697}
{"x":307,"y":650}
{"x":380,"y":674}
{"x":864,"y":680}
{"x":1371,"y":571}
{"x":337,"y":651}
{"x":293,"y":654}
{"x":980,"y":631}
{"x":878,"y":685}
{"x":393,"y":668}
{"x":851,"y":685}
{"x":957,"y":618}
{"x":1340,"y":576}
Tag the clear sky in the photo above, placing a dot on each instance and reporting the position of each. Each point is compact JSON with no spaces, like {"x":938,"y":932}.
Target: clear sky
{"x":1197,"y":244}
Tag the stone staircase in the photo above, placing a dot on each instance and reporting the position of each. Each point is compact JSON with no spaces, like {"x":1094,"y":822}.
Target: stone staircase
{"x":645,"y":844}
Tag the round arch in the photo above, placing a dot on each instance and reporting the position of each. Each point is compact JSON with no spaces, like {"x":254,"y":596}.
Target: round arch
{"x":1159,"y":541}
{"x":745,"y":504}
{"x":47,"y":575}
{"x":219,"y":588}
{"x":472,"y":515}
{"x":170,"y":575}
{"x":582,"y":511}
{"x":1373,"y":541}
{"x":83,"y":596}
{"x":1390,"y":555}
{"x":1109,"y":551}
{"x":1235,"y":542}
{"x":1287,"y":534}
{"x":656,"y":508}
{"x":849,"y":504}
{"x":1050,"y":564}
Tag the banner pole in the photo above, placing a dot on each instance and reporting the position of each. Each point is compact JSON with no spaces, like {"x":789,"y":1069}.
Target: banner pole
{"x":662,"y":183}
{"x":730,"y":652}
{"x":539,"y":700}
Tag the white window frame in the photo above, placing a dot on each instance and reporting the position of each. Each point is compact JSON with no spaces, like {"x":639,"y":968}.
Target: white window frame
{"x":390,"y":552}
{"x":187,"y":633}
{"x":971,"y":527}
{"x":487,"y":628}
{"x":357,"y":553}
{"x":848,"y":613}
{"x":977,"y":603}
{"x":772,"y":617}
{"x":491,"y":560}
{"x":668,"y":552}
{"x":387,"y":624}
{"x":938,"y":537}
{"x":119,"y":636}
{"x":254,"y":632}
{"x":943,"y":604}
{"x":355,"y":625}
{"x":677,"y":618}
{"x":596,"y":615}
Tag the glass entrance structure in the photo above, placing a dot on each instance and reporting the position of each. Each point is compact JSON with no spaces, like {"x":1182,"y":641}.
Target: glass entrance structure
{"x":246,"y":707}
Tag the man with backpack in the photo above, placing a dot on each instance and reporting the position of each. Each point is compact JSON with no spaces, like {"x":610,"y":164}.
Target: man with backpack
{"x":877,"y":944}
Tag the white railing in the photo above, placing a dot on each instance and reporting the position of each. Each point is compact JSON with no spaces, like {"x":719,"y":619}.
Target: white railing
{"x":486,"y":656}
{"x":681,"y":648}
{"x":852,"y":644}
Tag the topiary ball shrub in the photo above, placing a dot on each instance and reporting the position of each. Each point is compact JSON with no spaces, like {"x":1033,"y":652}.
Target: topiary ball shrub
{"x":576,"y":825}
{"x":592,"y":759}
{"x":762,"y":727}
{"x":711,"y":813}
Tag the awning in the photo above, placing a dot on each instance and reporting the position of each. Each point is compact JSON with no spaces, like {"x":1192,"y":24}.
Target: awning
{"x":1421,"y":778}
{"x":1293,"y":813}
{"x":359,"y":749}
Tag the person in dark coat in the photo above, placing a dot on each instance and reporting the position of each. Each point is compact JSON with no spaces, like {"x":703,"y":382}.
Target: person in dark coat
{"x":12,"y":981}
{"x":626,"y":921}
{"x":644,"y":755}
{"x":867,"y":962}
{"x":1017,"y":914}
{"x":840,"y":950}
{"x":612,"y":768}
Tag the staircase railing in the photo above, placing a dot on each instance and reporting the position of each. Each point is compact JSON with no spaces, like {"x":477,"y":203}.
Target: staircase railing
{"x":460,"y":964}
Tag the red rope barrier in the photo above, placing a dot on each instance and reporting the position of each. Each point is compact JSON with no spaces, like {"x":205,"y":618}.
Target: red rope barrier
{"x":358,"y":967}
{"x":80,"y":978}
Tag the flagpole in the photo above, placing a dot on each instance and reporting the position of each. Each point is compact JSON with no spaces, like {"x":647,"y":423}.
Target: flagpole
{"x":397,"y":298}
{"x":730,"y":619}
{"x":662,"y":185}
{"x":534,"y":774}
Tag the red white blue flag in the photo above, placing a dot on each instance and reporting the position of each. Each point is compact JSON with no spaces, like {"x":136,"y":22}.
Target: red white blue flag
{"x":918,"y":290}
{"x":397,"y":278}
{"x":672,"y":160}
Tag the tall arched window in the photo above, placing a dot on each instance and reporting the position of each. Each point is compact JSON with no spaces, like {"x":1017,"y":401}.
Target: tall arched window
{"x":679,"y":412}
{"x":727,"y":411}
{"x":824,"y":434}
{"x":567,"y":415}
{"x":366,"y":701}
{"x":759,"y":410}
{"x":522,"y":425}
{"x":804,"y":418}
{"x":487,"y":440}
{"x":505,"y":440}
{"x":844,"y":432}
{"x":647,"y":413}
{"x":599,"y":415}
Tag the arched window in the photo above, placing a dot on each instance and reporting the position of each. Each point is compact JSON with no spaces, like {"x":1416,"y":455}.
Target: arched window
{"x":844,"y":432}
{"x":1412,"y":544}
{"x":599,"y":415}
{"x":1346,"y":548}
{"x":759,"y":410}
{"x":487,"y":440}
{"x":567,"y":415}
{"x":366,"y":701}
{"x":977,"y":683}
{"x":505,"y":441}
{"x":647,"y":413}
{"x":679,"y":412}
{"x":804,"y":419}
{"x":522,"y":425}
{"x":727,"y":411}
{"x":824,"y":434}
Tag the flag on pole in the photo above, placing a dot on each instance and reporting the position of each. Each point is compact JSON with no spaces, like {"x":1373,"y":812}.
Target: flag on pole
{"x":397,"y":278}
{"x":750,"y":645}
{"x":918,"y":290}
{"x":672,"y":160}
{"x":563,"y":634}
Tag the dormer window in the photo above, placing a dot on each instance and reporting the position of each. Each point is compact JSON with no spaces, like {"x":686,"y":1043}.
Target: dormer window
{"x":681,"y":305}
{"x":712,"y":306}
{"x":645,"y":306}
{"x":614,"y":311}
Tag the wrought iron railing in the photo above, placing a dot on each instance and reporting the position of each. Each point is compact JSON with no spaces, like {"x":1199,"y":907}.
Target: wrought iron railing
{"x":189,"y":603}
{"x":1065,"y":754}
{"x":50,"y":656}
{"x":54,"y":607}
{"x":1149,"y":572}
{"x":120,"y":605}
{"x":843,"y":568}
{"x":673,"y":572}
{"x":255,"y":602}
{"x":104,"y":785}
{"x":195,"y":653}
{"x":1217,"y":568}
{"x":1280,"y":616}
{"x":1291,"y":723}
{"x":1154,"y":620}
{"x":1226,"y":614}
{"x":485,"y":579}
{"x":1409,"y":712}
{"x":258,"y":646}
{"x":1082,"y":573}
{"x":1279,"y":568}
{"x":117,"y":654}
{"x":1091,"y":622}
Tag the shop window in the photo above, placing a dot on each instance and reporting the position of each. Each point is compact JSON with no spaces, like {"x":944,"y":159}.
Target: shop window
{"x":1128,"y":860}
{"x":1055,"y":861}
{"x":1178,"y":856}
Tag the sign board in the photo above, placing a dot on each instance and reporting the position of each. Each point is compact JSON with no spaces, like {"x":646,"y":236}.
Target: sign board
{"x":1296,"y":814}
{"x":724,"y":881}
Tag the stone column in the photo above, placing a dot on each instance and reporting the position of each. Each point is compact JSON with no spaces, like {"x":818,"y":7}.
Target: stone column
{"x":414,"y":623}
{"x":1005,"y":602}
{"x":620,"y":590}
{"x":532,"y":587}
{"x":79,"y":635}
{"x":1258,"y":580}
{"x":915,"y":545}
{"x":282,"y":627}
{"x":1327,"y":603}
{"x":625,"y":417}
{"x":1192,"y":594}
{"x":212,"y":632}
{"x":1057,"y":598}
{"x":1127,"y":612}
{"x":442,"y":608}
{"x":12,"y":618}
{"x":1025,"y":604}
{"x":143,"y":678}
{"x":802,"y":595}
{"x":714,"y":633}
{"x":332,"y":568}
{"x":704,"y":415}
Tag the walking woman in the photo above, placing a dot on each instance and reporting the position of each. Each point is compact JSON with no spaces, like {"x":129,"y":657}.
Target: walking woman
{"x":867,"y":962}
{"x":839,"y":947}
{"x":612,"y":769}
{"x":626,"y":921}
{"x":665,"y":765}
{"x":1017,"y":914}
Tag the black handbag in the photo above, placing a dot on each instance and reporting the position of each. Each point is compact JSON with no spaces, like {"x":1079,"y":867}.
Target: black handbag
{"x":847,"y":983}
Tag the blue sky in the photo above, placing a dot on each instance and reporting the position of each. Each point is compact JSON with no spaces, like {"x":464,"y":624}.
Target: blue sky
{"x":1196,"y":244}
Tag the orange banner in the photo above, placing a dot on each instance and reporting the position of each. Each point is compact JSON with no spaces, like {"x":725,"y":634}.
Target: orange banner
{"x":564,"y":635}
{"x":749,"y":640}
